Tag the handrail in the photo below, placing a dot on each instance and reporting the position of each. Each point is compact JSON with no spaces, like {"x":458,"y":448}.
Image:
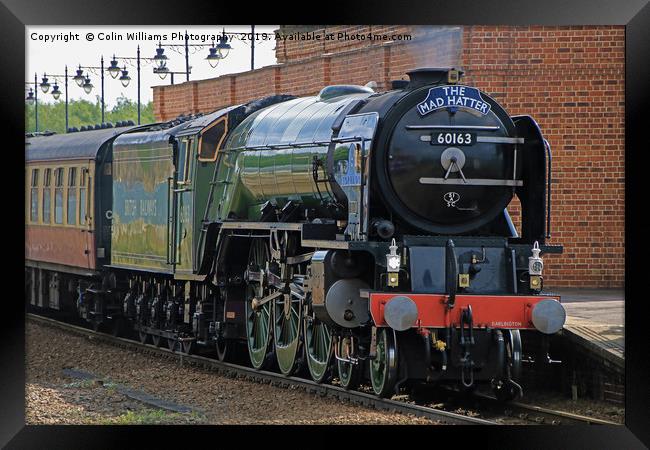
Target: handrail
{"x":170,"y":215}
{"x":549,"y":158}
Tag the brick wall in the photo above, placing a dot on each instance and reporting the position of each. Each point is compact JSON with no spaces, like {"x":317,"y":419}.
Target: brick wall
{"x":570,"y":79}
{"x":288,"y":50}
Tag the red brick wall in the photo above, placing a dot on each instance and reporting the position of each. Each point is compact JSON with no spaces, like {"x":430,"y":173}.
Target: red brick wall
{"x":570,"y":79}
{"x":288,"y":50}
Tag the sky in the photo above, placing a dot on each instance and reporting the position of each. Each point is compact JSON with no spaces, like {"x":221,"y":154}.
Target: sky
{"x":48,"y":52}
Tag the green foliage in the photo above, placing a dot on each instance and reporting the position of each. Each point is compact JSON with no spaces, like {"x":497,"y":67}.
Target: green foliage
{"x":82,"y":384}
{"x":154,"y":417}
{"x":51,"y":116}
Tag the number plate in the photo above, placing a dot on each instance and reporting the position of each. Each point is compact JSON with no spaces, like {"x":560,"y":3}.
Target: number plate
{"x":453,"y":138}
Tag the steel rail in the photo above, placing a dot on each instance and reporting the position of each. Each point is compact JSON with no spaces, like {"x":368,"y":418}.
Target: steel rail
{"x":491,"y":409}
{"x":542,"y":415}
{"x":275,"y":379}
{"x":516,"y":410}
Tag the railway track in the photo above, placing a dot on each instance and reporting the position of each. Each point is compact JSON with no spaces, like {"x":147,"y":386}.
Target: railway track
{"x":494,"y":412}
{"x":542,"y":416}
{"x":515,"y":412}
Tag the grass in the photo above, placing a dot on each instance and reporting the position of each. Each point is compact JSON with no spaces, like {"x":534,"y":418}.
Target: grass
{"x":110,"y":385}
{"x":153,"y":417}
{"x":88,"y":384}
{"x":144,"y":416}
{"x":85,"y":384}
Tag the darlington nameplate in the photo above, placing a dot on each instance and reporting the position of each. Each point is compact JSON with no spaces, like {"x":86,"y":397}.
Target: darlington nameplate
{"x":458,"y":96}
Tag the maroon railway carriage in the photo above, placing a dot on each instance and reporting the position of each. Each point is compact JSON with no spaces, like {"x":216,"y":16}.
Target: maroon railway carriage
{"x":67,"y":197}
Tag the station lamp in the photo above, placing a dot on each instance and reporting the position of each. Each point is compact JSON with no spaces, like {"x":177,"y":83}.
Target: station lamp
{"x":45,"y":86}
{"x":30,"y":97}
{"x":160,"y":58}
{"x":114,"y":70}
{"x":56,"y":93}
{"x":79,"y":78}
{"x":125,"y":78}
{"x":223,"y":46}
{"x":162,"y":71}
{"x":214,"y":57}
{"x":87,"y":85}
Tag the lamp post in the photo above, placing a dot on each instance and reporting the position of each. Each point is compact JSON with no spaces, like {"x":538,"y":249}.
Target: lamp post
{"x":32,"y":98}
{"x":56,"y":93}
{"x":216,"y":54}
{"x":252,"y":47}
{"x":114,"y":70}
{"x":161,"y":60}
{"x":125,"y":78}
{"x":84,"y":81}
{"x":163,"y":71}
{"x":187,"y":57}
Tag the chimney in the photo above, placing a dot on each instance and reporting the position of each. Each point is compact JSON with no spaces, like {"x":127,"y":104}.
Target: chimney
{"x":430,"y":75}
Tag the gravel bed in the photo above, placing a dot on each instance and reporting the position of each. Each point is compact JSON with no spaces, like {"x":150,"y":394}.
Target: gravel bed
{"x":53,"y":398}
{"x":467,"y":405}
{"x":582,"y":406}
{"x":93,"y":404}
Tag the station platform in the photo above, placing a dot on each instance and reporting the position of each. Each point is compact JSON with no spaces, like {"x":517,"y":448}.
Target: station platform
{"x":595,"y":322}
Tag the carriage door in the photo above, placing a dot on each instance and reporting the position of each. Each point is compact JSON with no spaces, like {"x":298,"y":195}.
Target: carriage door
{"x":86,"y":214}
{"x":183,"y":205}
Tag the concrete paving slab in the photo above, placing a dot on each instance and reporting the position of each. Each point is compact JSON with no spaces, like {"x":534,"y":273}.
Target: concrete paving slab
{"x":596,"y":321}
{"x":606,"y":313}
{"x":573,"y":295}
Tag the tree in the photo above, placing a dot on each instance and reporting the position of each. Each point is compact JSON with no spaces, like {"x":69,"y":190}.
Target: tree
{"x":125,"y":109}
{"x":51,"y":116}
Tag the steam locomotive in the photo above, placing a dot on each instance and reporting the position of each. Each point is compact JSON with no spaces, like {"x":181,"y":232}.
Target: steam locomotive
{"x":354,"y":235}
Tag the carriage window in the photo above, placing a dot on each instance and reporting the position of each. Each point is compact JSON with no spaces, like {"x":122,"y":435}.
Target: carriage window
{"x":82,"y":196}
{"x":46,"y":195}
{"x":72,"y":196}
{"x":212,"y":139}
{"x":58,"y":195}
{"x":182,"y":160}
{"x":33,"y":215}
{"x":188,"y":160}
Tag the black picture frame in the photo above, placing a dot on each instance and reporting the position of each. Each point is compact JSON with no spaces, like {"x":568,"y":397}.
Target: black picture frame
{"x":635,"y":15}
